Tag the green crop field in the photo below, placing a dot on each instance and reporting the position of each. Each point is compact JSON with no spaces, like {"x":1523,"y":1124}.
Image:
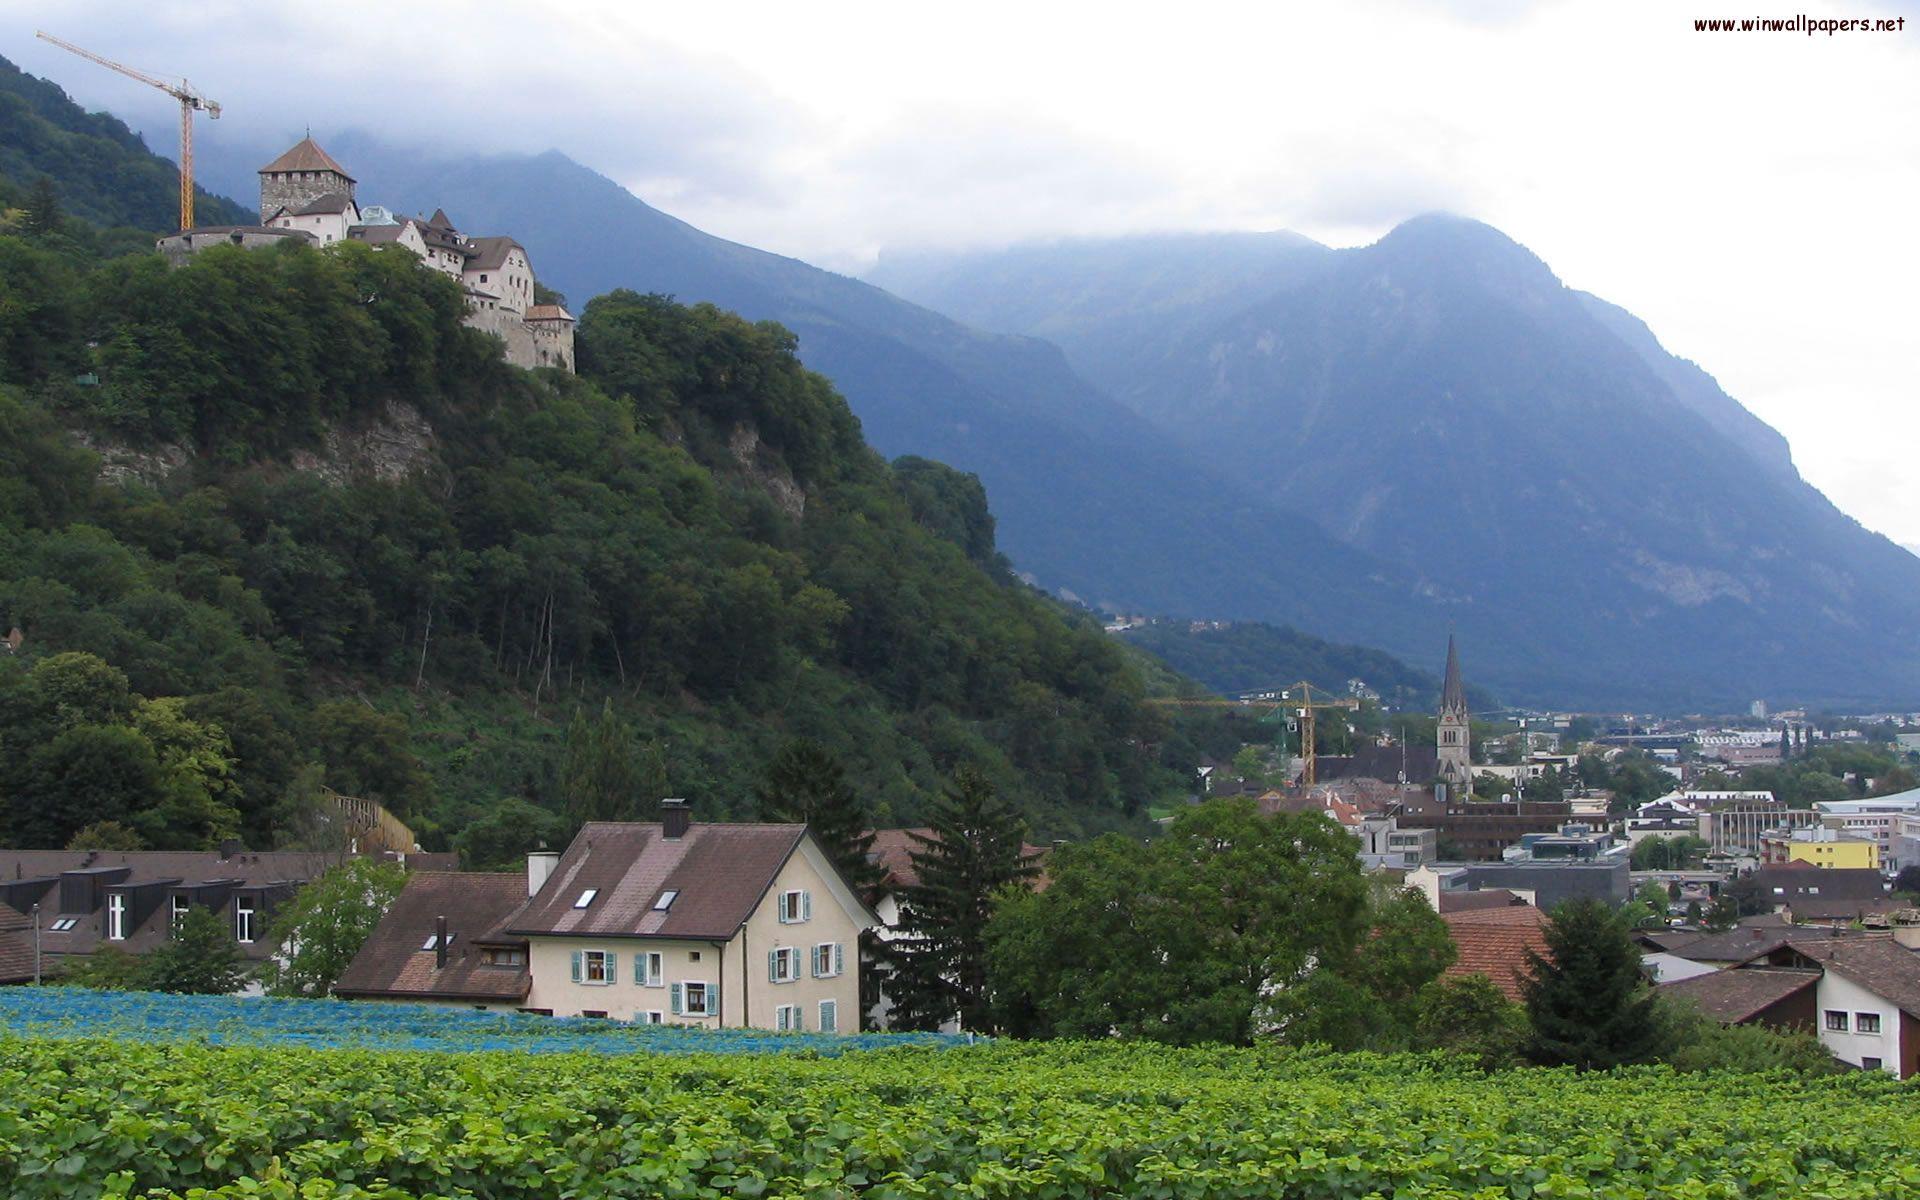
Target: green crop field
{"x":85,"y":1118}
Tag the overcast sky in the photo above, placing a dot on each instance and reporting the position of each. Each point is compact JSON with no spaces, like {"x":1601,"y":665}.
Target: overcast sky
{"x":1755,"y":197}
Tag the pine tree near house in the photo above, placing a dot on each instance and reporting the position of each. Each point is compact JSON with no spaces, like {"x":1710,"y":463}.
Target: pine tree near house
{"x":805,"y":783}
{"x":1786,"y":741}
{"x":1588,"y":1003}
{"x":941,"y":962}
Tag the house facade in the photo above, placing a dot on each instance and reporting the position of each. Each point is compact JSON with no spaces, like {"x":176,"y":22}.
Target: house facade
{"x":671,"y":922}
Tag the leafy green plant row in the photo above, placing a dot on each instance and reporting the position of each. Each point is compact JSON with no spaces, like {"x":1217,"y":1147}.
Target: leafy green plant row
{"x":88,"y":1119}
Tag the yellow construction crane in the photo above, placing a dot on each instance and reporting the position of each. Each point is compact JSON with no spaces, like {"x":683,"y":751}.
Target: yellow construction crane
{"x":188,"y":96}
{"x":1300,"y":701}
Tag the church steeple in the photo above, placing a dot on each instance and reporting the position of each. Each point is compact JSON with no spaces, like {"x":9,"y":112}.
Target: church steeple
{"x":1453,"y":734}
{"x":1453,"y":693}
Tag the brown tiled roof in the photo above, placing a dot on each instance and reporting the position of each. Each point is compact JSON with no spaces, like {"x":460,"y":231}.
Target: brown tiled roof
{"x":476,"y":906}
{"x":1740,"y":993}
{"x":548,"y":312}
{"x":1743,"y":944}
{"x":720,"y":872}
{"x":1881,"y":965}
{"x":16,"y":947}
{"x":492,"y":251}
{"x":1494,"y":942}
{"x":306,"y":155}
{"x":1468,"y":901}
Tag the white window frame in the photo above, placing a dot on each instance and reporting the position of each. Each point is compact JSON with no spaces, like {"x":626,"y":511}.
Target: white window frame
{"x":783,"y":965}
{"x":586,"y":897}
{"x":604,"y":959}
{"x":796,"y":906}
{"x":244,"y":914}
{"x":790,"y":1018}
{"x":180,"y":907}
{"x":116,"y":916}
{"x":649,"y":968}
{"x":656,"y":1017}
{"x":706,"y":1008}
{"x":828,"y":960}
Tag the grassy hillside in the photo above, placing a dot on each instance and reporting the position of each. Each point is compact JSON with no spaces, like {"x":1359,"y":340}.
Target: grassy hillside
{"x":101,"y":170}
{"x":352,"y":548}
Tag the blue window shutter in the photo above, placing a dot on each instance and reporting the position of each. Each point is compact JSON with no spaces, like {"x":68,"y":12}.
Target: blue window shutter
{"x":578,"y":970}
{"x":640,"y":968}
{"x":773,"y":966}
{"x":674,"y":998}
{"x":806,"y":906}
{"x":713,"y":998}
{"x":829,"y":1017}
{"x":613,"y":967}
{"x":839,"y":958}
{"x":799,"y":1017}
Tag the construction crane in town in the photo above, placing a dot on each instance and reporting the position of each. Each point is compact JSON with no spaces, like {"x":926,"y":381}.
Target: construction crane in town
{"x":191,"y":100}
{"x":1297,"y":702}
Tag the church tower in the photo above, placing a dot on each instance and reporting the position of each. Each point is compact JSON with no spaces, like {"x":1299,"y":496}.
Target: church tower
{"x":1454,"y":735}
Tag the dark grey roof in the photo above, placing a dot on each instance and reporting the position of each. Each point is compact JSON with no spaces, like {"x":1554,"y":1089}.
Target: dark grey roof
{"x":332,"y":202}
{"x":1807,"y":882}
{"x":490,"y":252}
{"x":1453,"y":693}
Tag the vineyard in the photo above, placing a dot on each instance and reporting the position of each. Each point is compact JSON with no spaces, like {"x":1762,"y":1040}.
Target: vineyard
{"x":88,"y":1118}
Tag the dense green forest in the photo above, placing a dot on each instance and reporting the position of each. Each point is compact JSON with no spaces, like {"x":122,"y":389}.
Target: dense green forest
{"x":338,"y":543}
{"x":102,"y":169}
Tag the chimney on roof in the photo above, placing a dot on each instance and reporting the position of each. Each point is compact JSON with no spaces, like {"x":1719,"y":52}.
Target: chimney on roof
{"x":440,"y":943}
{"x":675,"y":816}
{"x":540,"y":865}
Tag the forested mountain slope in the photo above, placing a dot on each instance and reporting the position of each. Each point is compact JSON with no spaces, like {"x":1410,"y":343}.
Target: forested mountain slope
{"x":338,"y":542}
{"x":1090,"y":498}
{"x":101,"y":169}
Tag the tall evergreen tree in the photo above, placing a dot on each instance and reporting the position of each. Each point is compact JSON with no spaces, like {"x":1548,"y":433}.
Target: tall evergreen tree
{"x":42,"y":215}
{"x":1588,"y":1002}
{"x":601,"y":775}
{"x":1786,"y":741}
{"x":976,"y":848}
{"x":804,"y":782}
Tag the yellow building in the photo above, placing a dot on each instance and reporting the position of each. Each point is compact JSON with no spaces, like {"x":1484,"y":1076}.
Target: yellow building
{"x":1822,"y":847}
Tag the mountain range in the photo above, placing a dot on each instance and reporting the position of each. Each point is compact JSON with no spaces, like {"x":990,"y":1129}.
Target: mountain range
{"x":1377,"y":444}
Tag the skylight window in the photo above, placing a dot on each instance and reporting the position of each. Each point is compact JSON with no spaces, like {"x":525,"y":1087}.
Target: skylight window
{"x":433,"y":941}
{"x":666,"y":900}
{"x":64,"y":924}
{"x":586,"y":897}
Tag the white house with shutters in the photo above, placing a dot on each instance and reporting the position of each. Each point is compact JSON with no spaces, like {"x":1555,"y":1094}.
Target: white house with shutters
{"x":676,"y":922}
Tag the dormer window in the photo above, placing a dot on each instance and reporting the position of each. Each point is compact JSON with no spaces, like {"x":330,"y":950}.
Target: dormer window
{"x":666,"y":900}
{"x":586,"y":897}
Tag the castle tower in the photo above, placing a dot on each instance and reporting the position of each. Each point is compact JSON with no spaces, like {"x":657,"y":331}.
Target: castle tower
{"x":1454,"y":735}
{"x":299,"y":177}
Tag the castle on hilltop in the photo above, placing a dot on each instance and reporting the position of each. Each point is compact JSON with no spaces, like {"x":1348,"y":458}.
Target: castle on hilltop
{"x":306,"y":196}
